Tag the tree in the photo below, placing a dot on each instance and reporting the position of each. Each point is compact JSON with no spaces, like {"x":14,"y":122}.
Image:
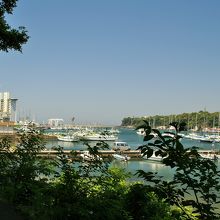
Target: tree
{"x":10,"y":38}
{"x":196,"y":182}
{"x":22,"y":172}
{"x":67,"y":187}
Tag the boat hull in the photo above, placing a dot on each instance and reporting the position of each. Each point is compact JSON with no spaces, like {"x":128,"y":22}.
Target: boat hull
{"x":121,"y":157}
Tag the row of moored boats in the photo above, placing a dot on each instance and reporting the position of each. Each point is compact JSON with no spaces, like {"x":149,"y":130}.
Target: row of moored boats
{"x":89,"y":135}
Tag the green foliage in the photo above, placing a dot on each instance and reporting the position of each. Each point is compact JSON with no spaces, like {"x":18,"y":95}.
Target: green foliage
{"x":85,"y":190}
{"x":66,"y":188}
{"x":10,"y":38}
{"x":196,"y":180}
{"x":144,"y":204}
{"x":23,"y":174}
{"x":201,"y":120}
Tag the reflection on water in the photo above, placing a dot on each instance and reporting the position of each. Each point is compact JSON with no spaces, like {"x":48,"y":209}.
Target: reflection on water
{"x":151,"y":165}
{"x":145,"y":165}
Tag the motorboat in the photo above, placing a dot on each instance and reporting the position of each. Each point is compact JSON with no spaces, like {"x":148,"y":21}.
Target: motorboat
{"x":207,"y":139}
{"x":67,"y":138}
{"x":99,"y":137}
{"x":153,"y":157}
{"x":121,"y":157}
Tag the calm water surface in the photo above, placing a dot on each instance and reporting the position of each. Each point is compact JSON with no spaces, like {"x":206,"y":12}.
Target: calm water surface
{"x":134,"y":140}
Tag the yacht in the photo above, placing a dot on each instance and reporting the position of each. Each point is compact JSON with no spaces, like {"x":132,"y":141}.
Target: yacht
{"x":99,"y":137}
{"x":67,"y":138}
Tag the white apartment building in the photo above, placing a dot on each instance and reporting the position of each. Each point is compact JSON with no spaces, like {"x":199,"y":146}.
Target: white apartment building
{"x":55,"y":122}
{"x":7,"y":107}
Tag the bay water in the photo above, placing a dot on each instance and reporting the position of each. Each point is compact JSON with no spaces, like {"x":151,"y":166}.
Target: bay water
{"x":134,"y":140}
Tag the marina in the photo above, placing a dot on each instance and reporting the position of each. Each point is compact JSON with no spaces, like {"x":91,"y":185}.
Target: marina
{"x":126,"y":144}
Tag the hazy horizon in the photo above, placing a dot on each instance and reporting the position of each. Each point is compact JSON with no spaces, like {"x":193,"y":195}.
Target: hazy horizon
{"x":101,"y":61}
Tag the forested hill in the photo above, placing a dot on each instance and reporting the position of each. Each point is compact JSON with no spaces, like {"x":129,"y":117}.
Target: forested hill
{"x":195,"y":120}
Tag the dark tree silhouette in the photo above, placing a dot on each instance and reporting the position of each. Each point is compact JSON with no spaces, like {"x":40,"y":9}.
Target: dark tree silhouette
{"x":10,"y":38}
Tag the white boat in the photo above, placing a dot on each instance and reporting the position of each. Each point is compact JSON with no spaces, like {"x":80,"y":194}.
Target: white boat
{"x":121,"y":157}
{"x":121,"y":146}
{"x":85,"y":155}
{"x":207,"y":139}
{"x":113,"y":131}
{"x":153,"y":157}
{"x":67,"y":138}
{"x":193,"y":136}
{"x":99,"y":137}
{"x":141,"y":131}
{"x":209,"y":154}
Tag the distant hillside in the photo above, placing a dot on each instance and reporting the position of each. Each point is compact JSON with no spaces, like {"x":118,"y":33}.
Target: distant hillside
{"x":195,"y":120}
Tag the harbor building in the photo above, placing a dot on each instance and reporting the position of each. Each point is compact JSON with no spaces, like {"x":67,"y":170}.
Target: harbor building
{"x":55,"y":122}
{"x":7,"y":107}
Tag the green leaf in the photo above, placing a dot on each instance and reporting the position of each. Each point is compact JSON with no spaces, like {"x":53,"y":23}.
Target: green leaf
{"x":149,"y":152}
{"x":157,"y":142}
{"x":148,"y":131}
{"x":175,"y":125}
{"x":149,"y":137}
{"x":144,"y":125}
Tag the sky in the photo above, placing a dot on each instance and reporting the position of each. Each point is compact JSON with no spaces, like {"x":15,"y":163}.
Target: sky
{"x":103,"y":60}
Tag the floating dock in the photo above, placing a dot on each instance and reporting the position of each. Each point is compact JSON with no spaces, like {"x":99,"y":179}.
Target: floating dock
{"x":102,"y":153}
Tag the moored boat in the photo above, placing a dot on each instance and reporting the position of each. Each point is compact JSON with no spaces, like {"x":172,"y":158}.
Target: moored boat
{"x":99,"y":137}
{"x":209,"y":154}
{"x":153,"y":157}
{"x":67,"y":138}
{"x":121,"y":157}
{"x":85,"y":155}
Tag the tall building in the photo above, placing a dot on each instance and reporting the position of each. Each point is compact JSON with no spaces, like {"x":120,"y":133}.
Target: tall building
{"x":7,"y":107}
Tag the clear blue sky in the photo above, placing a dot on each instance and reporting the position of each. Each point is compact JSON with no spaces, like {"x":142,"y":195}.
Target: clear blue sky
{"x":101,"y":60}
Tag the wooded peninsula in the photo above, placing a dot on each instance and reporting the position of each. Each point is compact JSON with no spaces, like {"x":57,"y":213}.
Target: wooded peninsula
{"x":201,"y":121}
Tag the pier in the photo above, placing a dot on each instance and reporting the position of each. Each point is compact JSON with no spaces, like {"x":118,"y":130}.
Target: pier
{"x":133,"y":154}
{"x":76,"y":153}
